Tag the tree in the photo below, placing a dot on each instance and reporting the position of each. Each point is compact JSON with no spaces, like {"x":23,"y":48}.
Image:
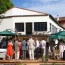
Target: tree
{"x":5,"y":5}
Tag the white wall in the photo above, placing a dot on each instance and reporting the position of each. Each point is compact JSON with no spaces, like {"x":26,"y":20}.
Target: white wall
{"x":9,"y":23}
{"x":6,"y":24}
{"x":29,"y":19}
{"x":36,"y":19}
{"x":53,"y":23}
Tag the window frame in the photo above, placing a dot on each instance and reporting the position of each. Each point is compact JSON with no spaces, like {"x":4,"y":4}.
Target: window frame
{"x":40,"y":26}
{"x":20,"y":27}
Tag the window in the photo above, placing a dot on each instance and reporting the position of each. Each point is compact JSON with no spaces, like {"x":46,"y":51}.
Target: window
{"x":53,"y":29}
{"x":19,"y":27}
{"x":40,"y":26}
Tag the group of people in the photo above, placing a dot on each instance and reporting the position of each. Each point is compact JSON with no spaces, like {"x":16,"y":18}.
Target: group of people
{"x":31,"y":48}
{"x":58,"y":49}
{"x":62,"y":49}
{"x":22,"y":49}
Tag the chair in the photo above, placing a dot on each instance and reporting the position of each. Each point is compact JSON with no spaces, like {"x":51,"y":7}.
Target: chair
{"x":3,"y":53}
{"x":56,"y":54}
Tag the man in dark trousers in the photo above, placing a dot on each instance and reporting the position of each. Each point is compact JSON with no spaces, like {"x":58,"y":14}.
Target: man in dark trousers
{"x":47,"y":50}
{"x":37,"y":48}
{"x":24,"y":49}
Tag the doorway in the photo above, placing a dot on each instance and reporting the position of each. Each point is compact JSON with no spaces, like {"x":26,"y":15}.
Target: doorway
{"x":28,"y":28}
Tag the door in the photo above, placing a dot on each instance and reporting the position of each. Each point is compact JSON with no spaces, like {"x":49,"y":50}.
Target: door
{"x":28,"y":28}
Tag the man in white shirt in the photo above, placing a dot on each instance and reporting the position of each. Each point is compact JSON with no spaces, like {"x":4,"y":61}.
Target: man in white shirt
{"x":43,"y":46}
{"x":31,"y":44}
{"x":61,"y":49}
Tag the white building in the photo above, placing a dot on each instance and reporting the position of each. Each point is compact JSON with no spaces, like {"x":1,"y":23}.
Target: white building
{"x":29,"y":22}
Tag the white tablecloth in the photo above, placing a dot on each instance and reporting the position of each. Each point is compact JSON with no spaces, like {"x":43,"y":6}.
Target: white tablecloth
{"x":2,"y":50}
{"x":2,"y":53}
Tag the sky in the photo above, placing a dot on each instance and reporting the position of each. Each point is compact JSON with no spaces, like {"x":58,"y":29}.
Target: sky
{"x":52,"y":7}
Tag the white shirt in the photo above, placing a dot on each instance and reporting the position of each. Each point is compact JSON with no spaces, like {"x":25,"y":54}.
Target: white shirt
{"x":31,"y":44}
{"x":61,"y":48}
{"x":37,"y":43}
{"x":43,"y":44}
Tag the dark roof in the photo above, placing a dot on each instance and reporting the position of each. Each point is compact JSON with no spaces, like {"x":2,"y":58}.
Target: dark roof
{"x":61,"y":18}
{"x":21,"y":16}
{"x":56,"y":21}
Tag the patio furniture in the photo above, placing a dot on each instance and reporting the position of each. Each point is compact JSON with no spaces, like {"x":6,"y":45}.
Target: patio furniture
{"x":56,"y":54}
{"x":3,"y":53}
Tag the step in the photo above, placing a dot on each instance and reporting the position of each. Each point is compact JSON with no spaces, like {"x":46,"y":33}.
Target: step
{"x":32,"y":62}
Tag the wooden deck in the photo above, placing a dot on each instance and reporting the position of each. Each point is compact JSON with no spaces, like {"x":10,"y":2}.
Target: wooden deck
{"x":33,"y":62}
